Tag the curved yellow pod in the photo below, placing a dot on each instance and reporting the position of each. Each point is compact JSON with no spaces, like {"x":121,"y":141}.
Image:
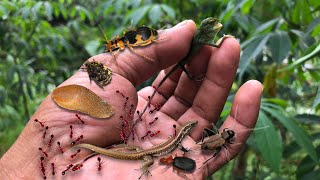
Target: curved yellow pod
{"x":79,"y":98}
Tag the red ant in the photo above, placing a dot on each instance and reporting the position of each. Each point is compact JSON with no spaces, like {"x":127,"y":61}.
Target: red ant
{"x":149,"y":101}
{"x":117,"y":91}
{"x":50,"y":141}
{"x":157,"y":107}
{"x":133,"y":135}
{"x":77,"y":167}
{"x":175,"y":129}
{"x":60,"y":148}
{"x":140,"y":118}
{"x":41,"y":123}
{"x":125,"y":103}
{"x":130,"y":111}
{"x":43,"y":170}
{"x":99,"y":164}
{"x":74,"y":155}
{"x":155,"y":119}
{"x":78,"y":139}
{"x":71,"y":132}
{"x":45,"y":132}
{"x":123,"y":96}
{"x":53,"y":169}
{"x":125,"y":120}
{"x":154,"y":134}
{"x":45,"y":153}
{"x":123,"y":135}
{"x":148,"y":132}
{"x":64,"y":172}
{"x":79,"y":118}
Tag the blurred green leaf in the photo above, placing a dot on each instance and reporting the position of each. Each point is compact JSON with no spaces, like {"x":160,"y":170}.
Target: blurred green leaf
{"x":136,"y":15}
{"x":306,"y":167}
{"x":251,"y":52}
{"x":276,"y":101}
{"x":267,"y":26}
{"x":301,"y":12}
{"x":303,"y":59}
{"x":30,"y":93}
{"x":308,"y":118}
{"x":316,"y":31}
{"x":92,"y":47}
{"x":12,"y":71}
{"x":247,"y":6}
{"x":84,"y":13}
{"x":279,"y":44}
{"x":268,"y":141}
{"x":316,"y":101}
{"x":293,"y":147}
{"x":171,"y":13}
{"x":305,"y":39}
{"x":155,"y":13}
{"x":298,"y":133}
{"x":48,"y":9}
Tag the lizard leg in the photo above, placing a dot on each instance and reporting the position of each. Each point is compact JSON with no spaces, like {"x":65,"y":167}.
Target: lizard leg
{"x":198,"y":78}
{"x":145,"y":166}
{"x":220,"y":43}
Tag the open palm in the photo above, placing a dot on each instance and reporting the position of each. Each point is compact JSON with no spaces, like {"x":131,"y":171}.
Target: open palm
{"x":181,"y":100}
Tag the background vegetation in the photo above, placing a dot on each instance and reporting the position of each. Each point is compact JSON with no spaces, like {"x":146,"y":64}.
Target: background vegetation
{"x":42,"y":43}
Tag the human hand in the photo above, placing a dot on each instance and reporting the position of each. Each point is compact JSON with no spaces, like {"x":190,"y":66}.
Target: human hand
{"x":182,"y":100}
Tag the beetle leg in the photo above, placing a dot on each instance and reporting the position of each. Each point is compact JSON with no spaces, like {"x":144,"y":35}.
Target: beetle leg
{"x":148,"y":58}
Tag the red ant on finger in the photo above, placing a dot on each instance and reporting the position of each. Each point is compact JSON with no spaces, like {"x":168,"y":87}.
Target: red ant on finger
{"x":50,"y":141}
{"x":77,"y":167}
{"x":53,"y":169}
{"x":79,"y":118}
{"x":152,"y":122}
{"x":41,"y":123}
{"x":45,"y":153}
{"x":42,"y":168}
{"x":71,"y":132}
{"x":60,"y":148}
{"x":74,"y":155}
{"x":77,"y":140}
{"x":99,"y":164}
{"x":45,"y":132}
{"x":67,"y":169}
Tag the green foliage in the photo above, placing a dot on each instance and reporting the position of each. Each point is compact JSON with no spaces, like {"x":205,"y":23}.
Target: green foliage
{"x":42,"y":43}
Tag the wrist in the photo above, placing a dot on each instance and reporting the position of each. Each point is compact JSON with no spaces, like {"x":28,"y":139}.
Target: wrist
{"x":20,"y":161}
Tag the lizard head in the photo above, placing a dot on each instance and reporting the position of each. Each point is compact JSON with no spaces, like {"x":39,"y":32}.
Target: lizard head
{"x":209,"y":28}
{"x":186,"y":129}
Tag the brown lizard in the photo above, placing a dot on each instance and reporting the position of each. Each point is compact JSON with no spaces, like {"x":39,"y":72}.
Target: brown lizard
{"x":147,"y":154}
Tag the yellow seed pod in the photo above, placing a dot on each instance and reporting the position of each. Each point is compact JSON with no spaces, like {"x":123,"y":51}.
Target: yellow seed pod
{"x":79,"y":98}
